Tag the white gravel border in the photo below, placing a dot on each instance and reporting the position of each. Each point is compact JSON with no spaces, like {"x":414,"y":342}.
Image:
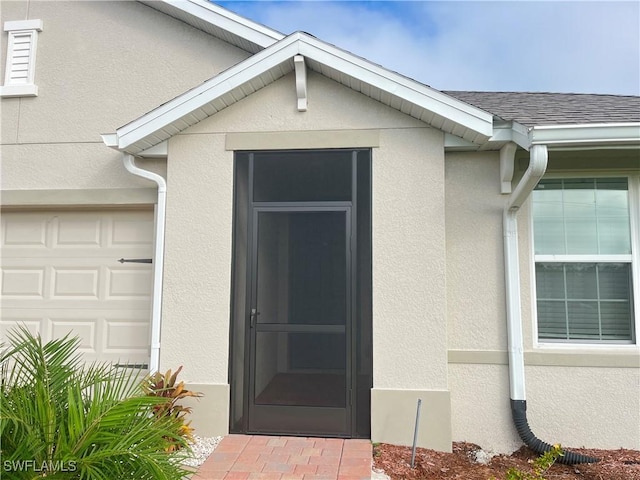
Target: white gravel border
{"x":201,"y":448}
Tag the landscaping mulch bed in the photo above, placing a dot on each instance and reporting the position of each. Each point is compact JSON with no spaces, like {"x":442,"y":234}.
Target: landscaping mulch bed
{"x":395,"y":461}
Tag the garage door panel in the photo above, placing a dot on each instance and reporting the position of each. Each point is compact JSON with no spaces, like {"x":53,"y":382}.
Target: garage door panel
{"x":89,"y":229}
{"x":60,"y":273}
{"x":33,"y":323}
{"x":83,"y":328}
{"x":109,"y":335}
{"x":22,"y":283}
{"x":124,"y":336}
{"x":74,"y":232}
{"x":24,"y":231}
{"x":131,"y":232}
{"x":80,"y":283}
{"x":129,"y":283}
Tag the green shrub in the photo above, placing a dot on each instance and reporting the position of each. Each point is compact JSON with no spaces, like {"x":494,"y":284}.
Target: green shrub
{"x":63,"y":419}
{"x":540,"y":466}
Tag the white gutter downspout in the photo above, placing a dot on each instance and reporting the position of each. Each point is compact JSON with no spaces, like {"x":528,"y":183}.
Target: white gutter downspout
{"x":158,"y":256}
{"x":537,"y":167}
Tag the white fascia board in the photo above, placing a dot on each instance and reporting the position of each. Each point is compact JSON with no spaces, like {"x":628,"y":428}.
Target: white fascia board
{"x":587,"y":134}
{"x":396,"y":84}
{"x":206,"y":92}
{"x":229,"y":21}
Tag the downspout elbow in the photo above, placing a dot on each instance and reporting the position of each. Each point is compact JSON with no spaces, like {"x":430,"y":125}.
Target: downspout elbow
{"x":537,"y":167}
{"x":131,"y":167}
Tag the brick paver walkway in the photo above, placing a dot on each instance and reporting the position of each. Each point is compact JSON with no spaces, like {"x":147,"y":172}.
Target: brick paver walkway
{"x":246,"y":457}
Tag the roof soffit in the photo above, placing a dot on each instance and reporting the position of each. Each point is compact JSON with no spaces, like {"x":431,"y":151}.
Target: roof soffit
{"x":408,"y":96}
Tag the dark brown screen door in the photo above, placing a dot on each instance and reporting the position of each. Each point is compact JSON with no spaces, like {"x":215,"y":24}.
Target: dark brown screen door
{"x":300,"y":318}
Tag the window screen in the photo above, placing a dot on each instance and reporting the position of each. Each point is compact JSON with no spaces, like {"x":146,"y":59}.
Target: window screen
{"x":302,"y":176}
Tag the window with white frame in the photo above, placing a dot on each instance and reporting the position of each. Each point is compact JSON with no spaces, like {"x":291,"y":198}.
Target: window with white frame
{"x":19,"y":79}
{"x":584,"y":264}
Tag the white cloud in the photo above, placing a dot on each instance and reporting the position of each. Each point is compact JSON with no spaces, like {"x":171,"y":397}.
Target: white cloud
{"x":588,"y":47}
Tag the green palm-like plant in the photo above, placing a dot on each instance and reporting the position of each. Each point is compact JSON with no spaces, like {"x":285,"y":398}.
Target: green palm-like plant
{"x":63,"y":419}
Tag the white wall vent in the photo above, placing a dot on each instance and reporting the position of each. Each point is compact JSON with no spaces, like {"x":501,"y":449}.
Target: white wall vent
{"x":21,"y":58}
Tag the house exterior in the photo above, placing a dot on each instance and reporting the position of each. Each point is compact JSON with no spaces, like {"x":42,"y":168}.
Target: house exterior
{"x":330,"y":241}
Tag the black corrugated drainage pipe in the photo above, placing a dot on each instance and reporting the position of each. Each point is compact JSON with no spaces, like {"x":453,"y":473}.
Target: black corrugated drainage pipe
{"x":519,"y":413}
{"x":535,"y":171}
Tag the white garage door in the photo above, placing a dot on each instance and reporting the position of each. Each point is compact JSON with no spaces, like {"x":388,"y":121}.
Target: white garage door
{"x":60,"y":273}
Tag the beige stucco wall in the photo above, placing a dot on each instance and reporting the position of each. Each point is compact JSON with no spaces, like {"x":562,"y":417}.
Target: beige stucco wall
{"x":410,"y":350}
{"x":409,"y":322}
{"x":99,"y":65}
{"x":475,"y":272}
{"x":195,"y":330}
{"x":577,"y":396}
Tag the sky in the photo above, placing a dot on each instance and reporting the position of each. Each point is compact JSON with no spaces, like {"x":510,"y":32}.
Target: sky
{"x":535,"y":46}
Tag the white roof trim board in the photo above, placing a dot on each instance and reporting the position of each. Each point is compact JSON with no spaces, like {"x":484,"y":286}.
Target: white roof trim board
{"x":408,"y":96}
{"x":589,"y":134}
{"x":219,"y":22}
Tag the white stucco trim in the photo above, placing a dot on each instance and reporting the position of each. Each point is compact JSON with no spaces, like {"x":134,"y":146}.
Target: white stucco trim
{"x":303,"y":139}
{"x":78,"y":197}
{"x":576,"y":356}
{"x":408,"y":96}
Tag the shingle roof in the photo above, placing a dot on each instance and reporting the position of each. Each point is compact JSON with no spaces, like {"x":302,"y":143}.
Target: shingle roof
{"x":531,"y":109}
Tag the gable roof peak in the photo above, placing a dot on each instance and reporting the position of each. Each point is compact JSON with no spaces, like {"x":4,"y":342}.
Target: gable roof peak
{"x":408,"y":96}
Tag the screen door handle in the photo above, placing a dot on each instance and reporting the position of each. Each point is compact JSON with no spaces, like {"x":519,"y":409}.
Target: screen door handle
{"x":254,"y":317}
